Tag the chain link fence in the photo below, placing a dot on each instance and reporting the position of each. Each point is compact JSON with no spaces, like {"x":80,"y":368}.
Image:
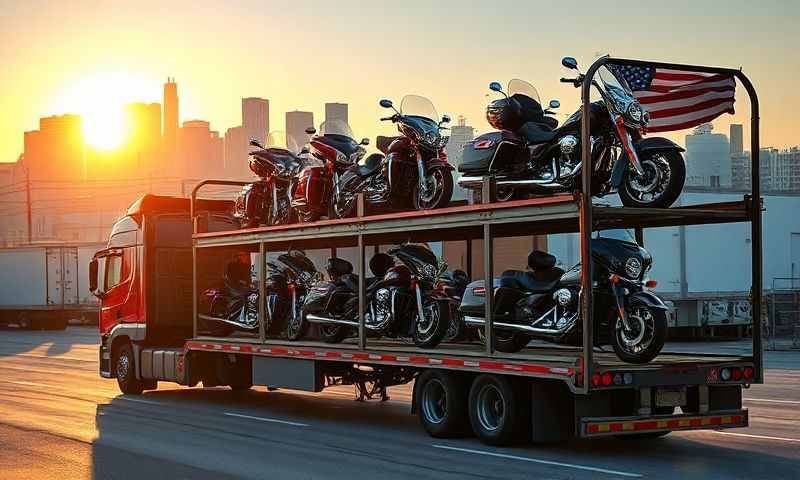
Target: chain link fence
{"x":781,"y":314}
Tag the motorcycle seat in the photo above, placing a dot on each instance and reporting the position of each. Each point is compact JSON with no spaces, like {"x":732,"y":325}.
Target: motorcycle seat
{"x":540,"y":281}
{"x":368,"y":165}
{"x":382,"y":143}
{"x":534,"y":132}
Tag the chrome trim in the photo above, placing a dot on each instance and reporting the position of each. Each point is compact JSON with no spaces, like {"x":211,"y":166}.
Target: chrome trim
{"x":477,"y":182}
{"x":338,"y":321}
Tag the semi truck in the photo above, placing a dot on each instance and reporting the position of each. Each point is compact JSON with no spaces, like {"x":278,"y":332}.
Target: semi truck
{"x":165,"y":250}
{"x":43,"y":285}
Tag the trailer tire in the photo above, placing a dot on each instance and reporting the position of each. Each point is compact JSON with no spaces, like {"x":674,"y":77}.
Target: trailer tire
{"x":442,"y":404}
{"x":499,"y":410}
{"x":125,"y":370}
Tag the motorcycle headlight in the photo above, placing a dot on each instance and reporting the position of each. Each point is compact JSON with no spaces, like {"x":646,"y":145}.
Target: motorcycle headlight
{"x":431,"y":139}
{"x":429,"y":271}
{"x":635,"y":112}
{"x":633,"y":268}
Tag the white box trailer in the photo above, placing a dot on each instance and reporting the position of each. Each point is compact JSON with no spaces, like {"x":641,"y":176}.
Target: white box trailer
{"x":45,"y":285}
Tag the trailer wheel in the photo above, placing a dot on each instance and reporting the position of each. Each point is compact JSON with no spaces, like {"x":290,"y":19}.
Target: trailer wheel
{"x":125,"y":370}
{"x":499,"y":410}
{"x":442,"y":404}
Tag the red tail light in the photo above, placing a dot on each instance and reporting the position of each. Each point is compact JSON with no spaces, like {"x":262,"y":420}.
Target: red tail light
{"x":736,"y":373}
{"x":651,"y":284}
{"x":607,"y":379}
{"x":596,"y":379}
{"x":479,"y":291}
{"x":748,"y":373}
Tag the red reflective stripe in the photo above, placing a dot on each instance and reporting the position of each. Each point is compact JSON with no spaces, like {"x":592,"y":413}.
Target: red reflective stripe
{"x":593,"y":428}
{"x":645,"y":425}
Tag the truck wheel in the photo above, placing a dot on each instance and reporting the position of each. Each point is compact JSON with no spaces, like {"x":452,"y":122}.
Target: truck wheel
{"x":442,"y":404}
{"x":125,"y":370}
{"x":499,"y":410}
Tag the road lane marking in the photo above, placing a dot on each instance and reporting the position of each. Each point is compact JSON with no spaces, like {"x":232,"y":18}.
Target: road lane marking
{"x":263,"y":419}
{"x":543,"y":462}
{"x":764,"y":437}
{"x":31,"y":384}
{"x":137,"y":400}
{"x":769,"y":400}
{"x":52,"y":357}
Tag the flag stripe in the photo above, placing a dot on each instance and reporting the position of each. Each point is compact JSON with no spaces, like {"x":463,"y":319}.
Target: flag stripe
{"x":689,"y":120}
{"x":671,"y":112}
{"x":647,"y":98}
{"x":664,"y":103}
{"x":678,"y":75}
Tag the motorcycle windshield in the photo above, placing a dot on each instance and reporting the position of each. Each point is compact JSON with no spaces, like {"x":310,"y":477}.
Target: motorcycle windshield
{"x":279,"y":140}
{"x":615,"y":87}
{"x":336,"y":127}
{"x":521,"y":87}
{"x":417,"y":106}
{"x":621,"y":234}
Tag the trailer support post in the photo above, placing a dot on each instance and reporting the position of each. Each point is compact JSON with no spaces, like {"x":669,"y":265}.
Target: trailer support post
{"x":262,"y":291}
{"x":362,"y":284}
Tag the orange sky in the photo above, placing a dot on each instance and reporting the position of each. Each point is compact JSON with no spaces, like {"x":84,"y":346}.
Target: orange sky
{"x":89,"y":57}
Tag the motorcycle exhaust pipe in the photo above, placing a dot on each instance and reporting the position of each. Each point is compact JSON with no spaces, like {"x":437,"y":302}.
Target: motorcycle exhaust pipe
{"x":338,"y":321}
{"x":210,"y":318}
{"x":477,"y":182}
{"x":477,"y":322}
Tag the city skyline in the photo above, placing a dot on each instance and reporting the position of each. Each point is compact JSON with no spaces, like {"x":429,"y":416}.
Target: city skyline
{"x":465,"y":57}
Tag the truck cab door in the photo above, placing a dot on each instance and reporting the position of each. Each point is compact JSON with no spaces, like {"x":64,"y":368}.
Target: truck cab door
{"x":119,"y":301}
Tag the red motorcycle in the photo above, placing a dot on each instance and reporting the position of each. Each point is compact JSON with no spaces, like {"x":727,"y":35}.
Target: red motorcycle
{"x":412,"y":173}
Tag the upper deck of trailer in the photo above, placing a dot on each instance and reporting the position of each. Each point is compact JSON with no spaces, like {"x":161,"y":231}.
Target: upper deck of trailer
{"x":544,"y":215}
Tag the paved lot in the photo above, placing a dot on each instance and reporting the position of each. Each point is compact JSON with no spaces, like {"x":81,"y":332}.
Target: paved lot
{"x":58,"y":419}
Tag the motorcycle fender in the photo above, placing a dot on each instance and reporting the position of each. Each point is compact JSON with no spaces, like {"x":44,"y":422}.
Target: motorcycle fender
{"x":647,"y":299}
{"x":437,"y":162}
{"x":648,"y":144}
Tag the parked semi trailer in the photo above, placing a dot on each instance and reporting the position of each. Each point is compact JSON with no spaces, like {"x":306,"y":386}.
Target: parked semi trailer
{"x":42,"y":286}
{"x":166,"y":250}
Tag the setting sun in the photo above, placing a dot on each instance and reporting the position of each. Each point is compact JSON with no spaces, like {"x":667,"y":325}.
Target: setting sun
{"x":104,"y":128}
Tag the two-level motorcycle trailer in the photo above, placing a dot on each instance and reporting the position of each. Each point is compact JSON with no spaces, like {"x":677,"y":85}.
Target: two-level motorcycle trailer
{"x":539,"y":394}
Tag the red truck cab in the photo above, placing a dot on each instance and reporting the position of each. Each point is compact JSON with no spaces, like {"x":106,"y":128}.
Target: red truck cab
{"x":144,"y":277}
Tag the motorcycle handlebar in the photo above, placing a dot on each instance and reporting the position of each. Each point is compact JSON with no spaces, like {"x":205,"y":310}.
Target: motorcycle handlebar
{"x":387,"y":118}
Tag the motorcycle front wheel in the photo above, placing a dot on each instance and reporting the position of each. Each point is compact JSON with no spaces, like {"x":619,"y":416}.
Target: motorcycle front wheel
{"x":296,"y":325}
{"x":645,"y":339}
{"x":430,"y":330}
{"x":661,"y":183}
{"x":439,"y":191}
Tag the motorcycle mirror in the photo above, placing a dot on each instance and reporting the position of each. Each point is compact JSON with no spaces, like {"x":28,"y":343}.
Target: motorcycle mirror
{"x":496,"y":87}
{"x":554,"y":103}
{"x":569,"y":62}
{"x":445,"y":119}
{"x":255,"y":143}
{"x":311,"y":130}
{"x":386,"y":103}
{"x":365,"y":141}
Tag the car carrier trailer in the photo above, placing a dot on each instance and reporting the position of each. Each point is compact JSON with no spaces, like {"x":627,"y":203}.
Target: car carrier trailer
{"x":174,"y":246}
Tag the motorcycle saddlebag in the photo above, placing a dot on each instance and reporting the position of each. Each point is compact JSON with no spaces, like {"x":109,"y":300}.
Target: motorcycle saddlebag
{"x":502,"y":147}
{"x":311,"y":189}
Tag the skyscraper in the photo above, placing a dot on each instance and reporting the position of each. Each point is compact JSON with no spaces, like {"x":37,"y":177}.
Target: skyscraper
{"x":56,"y":150}
{"x":737,"y":139}
{"x":200,"y":151}
{"x":255,"y":118}
{"x":708,"y":158}
{"x":236,"y":150}
{"x":296,"y":124}
{"x":336,"y":111}
{"x":170,"y":120}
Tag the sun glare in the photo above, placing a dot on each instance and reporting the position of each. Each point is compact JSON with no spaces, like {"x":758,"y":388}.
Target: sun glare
{"x":100,"y":99}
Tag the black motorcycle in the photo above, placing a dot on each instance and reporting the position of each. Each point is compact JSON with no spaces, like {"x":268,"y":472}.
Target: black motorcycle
{"x":401,"y":299}
{"x":289,"y":278}
{"x":232,"y":306}
{"x":531,"y":155}
{"x":544,"y":302}
{"x":452,"y":284}
{"x":266,"y":201}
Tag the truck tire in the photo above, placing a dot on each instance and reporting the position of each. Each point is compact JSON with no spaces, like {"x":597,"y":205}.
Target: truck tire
{"x":499,"y":410}
{"x":125,"y":370}
{"x":442,"y":404}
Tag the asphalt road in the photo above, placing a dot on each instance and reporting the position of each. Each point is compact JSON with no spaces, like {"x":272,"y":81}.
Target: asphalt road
{"x":58,"y":419}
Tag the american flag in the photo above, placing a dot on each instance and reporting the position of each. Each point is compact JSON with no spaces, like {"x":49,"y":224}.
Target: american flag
{"x":678,"y":99}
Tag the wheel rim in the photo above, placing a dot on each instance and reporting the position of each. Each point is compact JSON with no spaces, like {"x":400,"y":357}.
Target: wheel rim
{"x":329,"y":330}
{"x":505,"y":194}
{"x":650,"y":186}
{"x":641,"y":334}
{"x":123,"y":366}
{"x":491,"y":408}
{"x":435,"y":190}
{"x":434,"y":401}
{"x":426,"y":327}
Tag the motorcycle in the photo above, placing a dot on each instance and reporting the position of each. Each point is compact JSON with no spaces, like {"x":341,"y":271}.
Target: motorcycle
{"x":401,"y":301}
{"x":233,"y":306}
{"x":544,"y":302}
{"x":336,"y":160}
{"x":266,"y":201}
{"x":289,"y":279}
{"x":452,"y":284}
{"x":530,"y":154}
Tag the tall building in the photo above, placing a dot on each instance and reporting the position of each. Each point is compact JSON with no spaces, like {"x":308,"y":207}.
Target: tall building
{"x":336,"y":111}
{"x":200,"y":151}
{"x":255,"y":118}
{"x":170,"y":120}
{"x":56,"y":151}
{"x":296,"y":124}
{"x":460,"y":135}
{"x":236,"y":152}
{"x":785,"y":170}
{"x":737,"y":138}
{"x":741,"y":169}
{"x":143,"y":146}
{"x":708,"y":158}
